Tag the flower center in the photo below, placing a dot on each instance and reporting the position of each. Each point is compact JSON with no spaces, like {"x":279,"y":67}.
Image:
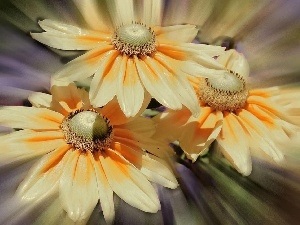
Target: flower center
{"x":134,"y":39}
{"x":224,"y":93}
{"x":87,"y":130}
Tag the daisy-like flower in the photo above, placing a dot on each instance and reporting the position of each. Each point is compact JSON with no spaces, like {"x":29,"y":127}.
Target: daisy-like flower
{"x":238,"y":119}
{"x":87,"y":153}
{"x":130,"y":53}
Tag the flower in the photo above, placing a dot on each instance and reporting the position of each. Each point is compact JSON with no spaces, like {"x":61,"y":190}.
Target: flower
{"x":239,"y":119}
{"x":130,"y":52}
{"x":87,"y":153}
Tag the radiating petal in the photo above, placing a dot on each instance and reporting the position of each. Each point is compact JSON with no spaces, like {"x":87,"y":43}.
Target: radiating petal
{"x":26,"y":144}
{"x":197,"y":135}
{"x":234,"y":144}
{"x":129,"y":183}
{"x":152,"y":12}
{"x":78,"y":186}
{"x":67,"y":37}
{"x":158,"y":85}
{"x":40,"y":100}
{"x":43,"y":178}
{"x":30,"y":118}
{"x":176,"y":33}
{"x":105,"y":192}
{"x":108,"y":84}
{"x":260,"y":135}
{"x":122,"y":12}
{"x":83,"y":66}
{"x":66,"y":99}
{"x":130,"y":92}
{"x":152,"y":167}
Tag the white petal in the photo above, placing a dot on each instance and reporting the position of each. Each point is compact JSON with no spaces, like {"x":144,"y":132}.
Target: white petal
{"x":68,"y":37}
{"x":78,"y":187}
{"x":152,"y":12}
{"x":40,"y":100}
{"x":42,"y":179}
{"x":235,"y":61}
{"x":152,"y":167}
{"x":234,"y":144}
{"x":83,"y":66}
{"x":158,"y":85}
{"x":122,"y":12}
{"x":130,"y":92}
{"x":108,"y":83}
{"x":30,"y":118}
{"x":178,"y":33}
{"x":129,"y":183}
{"x":105,"y":192}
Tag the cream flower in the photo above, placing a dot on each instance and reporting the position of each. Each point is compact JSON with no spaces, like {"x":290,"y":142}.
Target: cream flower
{"x":87,"y":153}
{"x":130,"y":53}
{"x":239,"y":119}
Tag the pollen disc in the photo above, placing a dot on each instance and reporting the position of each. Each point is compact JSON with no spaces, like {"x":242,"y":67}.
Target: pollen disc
{"x":225,"y":93}
{"x":134,"y":39}
{"x":87,"y":130}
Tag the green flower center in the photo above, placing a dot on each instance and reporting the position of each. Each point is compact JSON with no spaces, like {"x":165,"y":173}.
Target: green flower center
{"x":87,"y":130}
{"x":134,"y":39}
{"x":225,"y":93}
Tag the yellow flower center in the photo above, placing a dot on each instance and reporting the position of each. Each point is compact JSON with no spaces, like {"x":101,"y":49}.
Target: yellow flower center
{"x":225,"y":93}
{"x":87,"y":130}
{"x":134,"y":39}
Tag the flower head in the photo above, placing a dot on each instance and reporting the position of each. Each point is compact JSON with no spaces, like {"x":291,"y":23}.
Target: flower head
{"x":131,"y":53}
{"x":87,"y":153}
{"x":239,"y":119}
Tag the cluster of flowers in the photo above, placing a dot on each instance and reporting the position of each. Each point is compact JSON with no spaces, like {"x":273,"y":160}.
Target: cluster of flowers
{"x":93,"y":144}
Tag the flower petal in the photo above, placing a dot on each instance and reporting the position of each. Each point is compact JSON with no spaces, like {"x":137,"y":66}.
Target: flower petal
{"x":108,"y":83}
{"x":130,"y":92}
{"x":121,"y":12}
{"x":30,"y":118}
{"x":152,"y":167}
{"x":26,"y":144}
{"x":198,"y":134}
{"x":83,"y":66}
{"x":158,"y":85}
{"x":152,"y":12}
{"x":234,"y":145}
{"x":40,"y":100}
{"x":105,"y":192}
{"x":42,"y":180}
{"x":178,"y":33}
{"x":129,"y":183}
{"x":69,"y":98}
{"x":67,"y":37}
{"x":78,"y":186}
{"x":259,"y":135}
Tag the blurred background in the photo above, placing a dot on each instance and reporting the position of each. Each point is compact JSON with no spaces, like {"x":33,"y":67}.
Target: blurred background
{"x":267,"y":32}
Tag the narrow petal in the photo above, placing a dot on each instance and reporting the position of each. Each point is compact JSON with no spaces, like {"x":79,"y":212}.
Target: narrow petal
{"x":68,"y":37}
{"x":152,"y":12}
{"x":83,"y":66}
{"x":130,"y":92}
{"x":43,"y":178}
{"x":105,"y":192}
{"x":30,"y":118}
{"x":108,"y":83}
{"x":178,"y":33}
{"x":158,"y":85}
{"x":259,"y":134}
{"x":122,"y":12}
{"x":40,"y":100}
{"x":197,"y":135}
{"x":234,"y":145}
{"x":69,"y":98}
{"x":129,"y":183}
{"x":152,"y":167}
{"x":78,"y":187}
{"x":26,"y":144}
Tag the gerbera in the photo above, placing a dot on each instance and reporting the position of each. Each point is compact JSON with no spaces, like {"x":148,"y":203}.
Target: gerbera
{"x":87,"y":153}
{"x":238,"y":118}
{"x":130,"y":53}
